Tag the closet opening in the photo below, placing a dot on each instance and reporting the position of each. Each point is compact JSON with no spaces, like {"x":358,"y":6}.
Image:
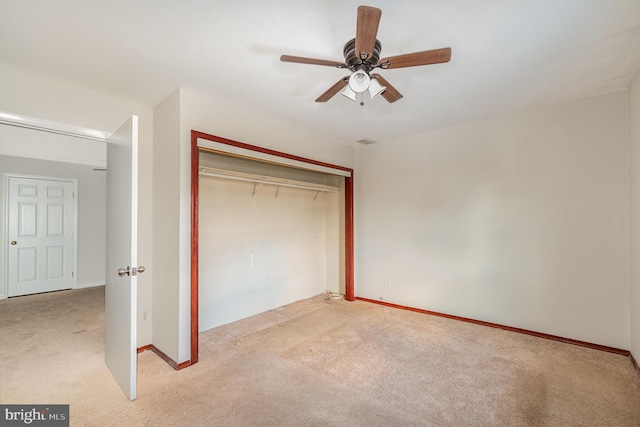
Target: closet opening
{"x":268,"y":229}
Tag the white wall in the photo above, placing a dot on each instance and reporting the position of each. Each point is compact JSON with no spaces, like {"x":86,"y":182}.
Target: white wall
{"x":46,"y":98}
{"x":633,"y":99}
{"x":520,"y":220}
{"x":265,"y":248}
{"x":166,"y":234}
{"x":91,"y":210}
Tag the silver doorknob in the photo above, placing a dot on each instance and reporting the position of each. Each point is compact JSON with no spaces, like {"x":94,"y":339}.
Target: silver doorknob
{"x":13,"y":242}
{"x":124,"y":271}
{"x":131,"y":271}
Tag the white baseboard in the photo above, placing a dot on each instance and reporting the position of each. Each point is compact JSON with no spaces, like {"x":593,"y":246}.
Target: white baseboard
{"x":89,"y":285}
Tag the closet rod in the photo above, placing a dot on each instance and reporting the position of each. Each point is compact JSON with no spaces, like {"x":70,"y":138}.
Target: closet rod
{"x":265,"y":180}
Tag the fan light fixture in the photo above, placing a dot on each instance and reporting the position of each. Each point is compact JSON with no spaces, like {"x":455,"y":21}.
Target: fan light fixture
{"x":362,"y":56}
{"x":359,"y":82}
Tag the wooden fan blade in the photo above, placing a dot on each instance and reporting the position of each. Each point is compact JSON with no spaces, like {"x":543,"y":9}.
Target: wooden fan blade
{"x":367,"y":30}
{"x":333,"y":90}
{"x":427,"y":57}
{"x":313,"y":61}
{"x":390,"y":93}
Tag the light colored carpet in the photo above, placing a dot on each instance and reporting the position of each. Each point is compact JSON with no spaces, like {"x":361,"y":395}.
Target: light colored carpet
{"x":314,"y":363}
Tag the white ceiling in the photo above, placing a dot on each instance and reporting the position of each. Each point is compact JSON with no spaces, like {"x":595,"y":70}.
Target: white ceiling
{"x":508,"y":55}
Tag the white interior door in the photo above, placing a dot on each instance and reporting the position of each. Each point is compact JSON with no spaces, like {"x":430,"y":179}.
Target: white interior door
{"x":42,"y":217}
{"x":122,"y":224}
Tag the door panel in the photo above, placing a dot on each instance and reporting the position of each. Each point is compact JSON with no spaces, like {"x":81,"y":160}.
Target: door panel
{"x":55,"y":262}
{"x":55,"y":219}
{"x":27,"y":266}
{"x":41,"y":234}
{"x":121,"y":291}
{"x":28,"y":219}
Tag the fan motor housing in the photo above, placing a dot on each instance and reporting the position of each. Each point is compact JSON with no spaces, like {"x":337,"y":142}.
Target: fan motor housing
{"x":355,"y":63}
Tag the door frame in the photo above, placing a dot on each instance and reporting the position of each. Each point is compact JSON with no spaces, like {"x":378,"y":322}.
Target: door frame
{"x":5,"y":219}
{"x":195,"y":168}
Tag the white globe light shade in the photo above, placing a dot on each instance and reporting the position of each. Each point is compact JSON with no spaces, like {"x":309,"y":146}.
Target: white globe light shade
{"x":359,"y":81}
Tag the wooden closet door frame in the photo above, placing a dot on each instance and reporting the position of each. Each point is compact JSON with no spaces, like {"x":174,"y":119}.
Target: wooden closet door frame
{"x":195,"y":168}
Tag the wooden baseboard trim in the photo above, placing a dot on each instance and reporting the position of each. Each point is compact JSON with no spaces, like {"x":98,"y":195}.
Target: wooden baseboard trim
{"x":144,"y":348}
{"x":504,"y":327}
{"x":163,"y":356}
{"x":184,"y":365}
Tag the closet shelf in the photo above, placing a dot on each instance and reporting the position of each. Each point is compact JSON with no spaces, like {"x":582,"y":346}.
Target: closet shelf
{"x":268,"y":180}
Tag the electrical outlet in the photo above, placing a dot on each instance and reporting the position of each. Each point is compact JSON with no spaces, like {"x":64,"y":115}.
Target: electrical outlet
{"x":387,"y":282}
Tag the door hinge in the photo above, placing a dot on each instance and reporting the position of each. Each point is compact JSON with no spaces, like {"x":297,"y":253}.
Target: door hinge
{"x":72,"y":274}
{"x":73,"y":194}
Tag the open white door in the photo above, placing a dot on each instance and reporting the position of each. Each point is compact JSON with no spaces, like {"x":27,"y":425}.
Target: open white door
{"x":122,"y":260}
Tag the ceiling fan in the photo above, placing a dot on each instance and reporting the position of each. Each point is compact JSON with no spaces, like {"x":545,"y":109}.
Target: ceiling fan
{"x":362,"y":56}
